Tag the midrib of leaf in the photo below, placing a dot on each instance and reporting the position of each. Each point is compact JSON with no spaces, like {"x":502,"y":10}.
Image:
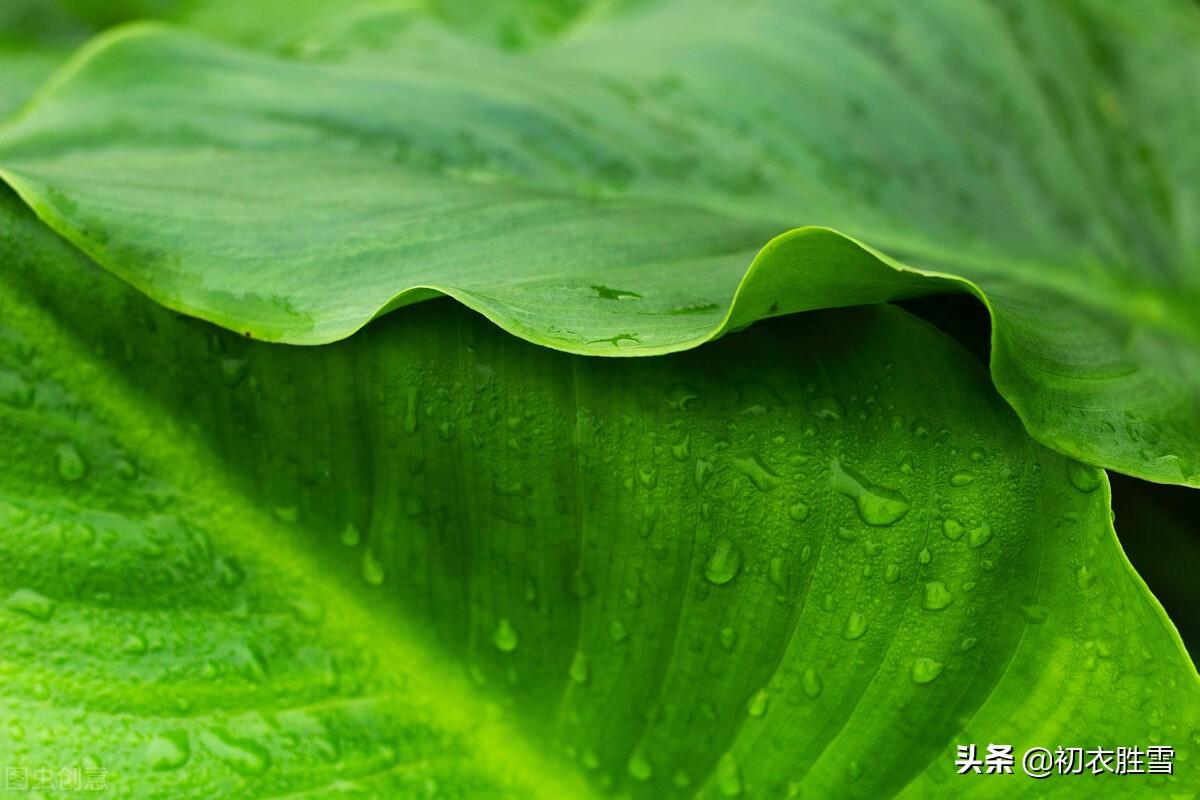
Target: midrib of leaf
{"x":452,"y":700}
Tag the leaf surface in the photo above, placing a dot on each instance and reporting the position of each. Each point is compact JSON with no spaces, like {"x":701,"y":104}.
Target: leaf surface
{"x":434,"y":558}
{"x":631,"y":185}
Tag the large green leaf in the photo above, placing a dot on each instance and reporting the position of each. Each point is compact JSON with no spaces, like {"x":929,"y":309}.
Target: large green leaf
{"x":611,"y":190}
{"x":434,"y":560}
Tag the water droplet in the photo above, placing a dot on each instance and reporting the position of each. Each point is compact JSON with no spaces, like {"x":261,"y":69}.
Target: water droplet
{"x":683,"y":448}
{"x":639,"y":766}
{"x":891,"y":573}
{"x":856,"y":626}
{"x":924,"y":557}
{"x":69,"y":463}
{"x":1035,"y":613}
{"x":962,"y":478}
{"x":590,"y":760}
{"x":952,"y":529}
{"x":877,"y":505}
{"x":826,"y":408}
{"x":1085,"y":577}
{"x":289,"y":514}
{"x":702,"y":474}
{"x":798,"y":511}
{"x":608,"y":293}
{"x":648,"y":478}
{"x":135,"y":644}
{"x":580,"y":586}
{"x":758,"y":703}
{"x":810,"y":682}
{"x":233,"y":371}
{"x":31,"y":603}
{"x":728,"y":638}
{"x":968,"y":643}
{"x":926,"y":670}
{"x":505,"y":636}
{"x":243,"y":755}
{"x":777,"y":573}
{"x":579,"y":667}
{"x":372,"y":568}
{"x":763,"y":478}
{"x":1085,"y":479}
{"x":229,"y":572}
{"x":350,"y":535}
{"x":854,"y":770}
{"x":412,"y":407}
{"x":682,"y":780}
{"x":680,"y":396}
{"x":169,"y":750}
{"x":729,"y":777}
{"x":617,"y":631}
{"x":937,"y":596}
{"x":724,"y":563}
{"x":980,"y":535}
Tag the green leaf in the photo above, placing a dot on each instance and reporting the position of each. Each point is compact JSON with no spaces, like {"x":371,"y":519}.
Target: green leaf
{"x":434,"y":558}
{"x":627,"y":187}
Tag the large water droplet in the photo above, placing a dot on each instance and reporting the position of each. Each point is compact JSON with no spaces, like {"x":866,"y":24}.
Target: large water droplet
{"x":798,"y":511}
{"x":69,"y":463}
{"x":350,"y":535}
{"x":826,"y":408}
{"x":1085,"y":479}
{"x":30,"y":603}
{"x":937,"y":596}
{"x":243,"y":755}
{"x":980,"y":535}
{"x":810,"y":682}
{"x":639,"y":766}
{"x":579,"y":667}
{"x":877,"y":505}
{"x":856,"y":626}
{"x":729,"y":777}
{"x":926,"y":670}
{"x":952,"y":529}
{"x":758,"y":704}
{"x":962,"y":479}
{"x":505,"y":636}
{"x":169,"y":750}
{"x":724,"y":563}
{"x":372,"y":568}
{"x":763,"y":478}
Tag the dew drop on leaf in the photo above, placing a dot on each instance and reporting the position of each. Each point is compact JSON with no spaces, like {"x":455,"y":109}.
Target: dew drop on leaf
{"x":926,"y":670}
{"x":877,"y":505}
{"x":69,"y":463}
{"x":505,"y":636}
{"x":1085,"y":479}
{"x":798,"y":511}
{"x":168,"y":751}
{"x":980,"y":535}
{"x":937,"y":596}
{"x":31,"y":603}
{"x":372,"y":568}
{"x":729,"y":777}
{"x":242,"y":755}
{"x":811,"y":683}
{"x":856,"y":626}
{"x":763,"y":478}
{"x":579,"y":668}
{"x":639,"y":766}
{"x":724,"y":563}
{"x":757,"y":706}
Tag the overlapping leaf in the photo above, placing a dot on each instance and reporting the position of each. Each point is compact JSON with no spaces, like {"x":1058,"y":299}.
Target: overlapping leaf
{"x":435,"y":559}
{"x":611,"y":190}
